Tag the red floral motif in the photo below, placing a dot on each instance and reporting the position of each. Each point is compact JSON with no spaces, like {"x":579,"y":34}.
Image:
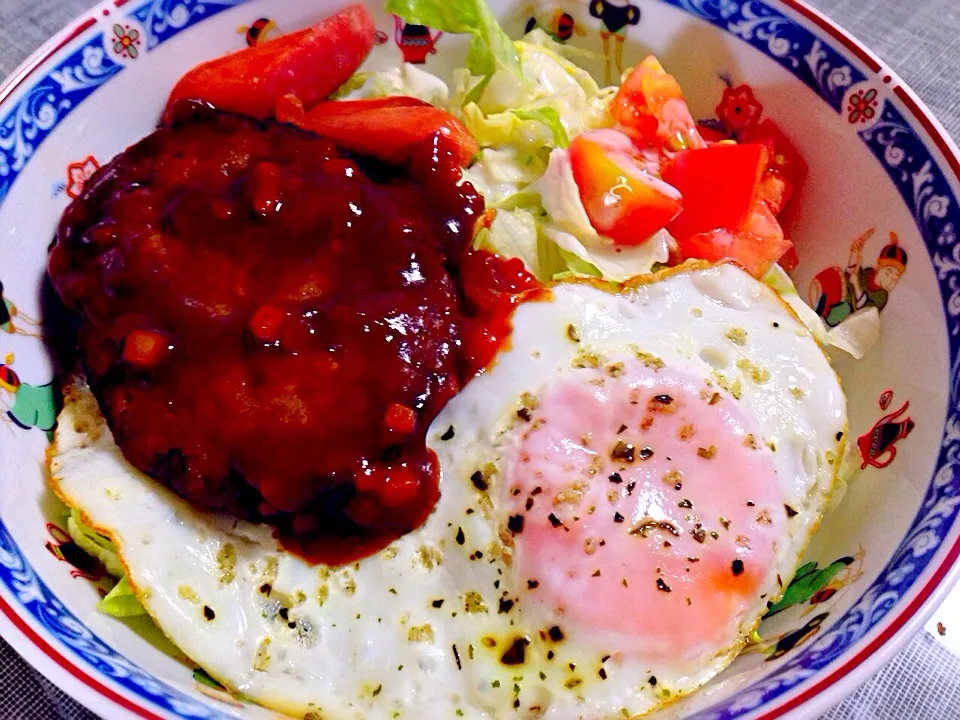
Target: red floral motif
{"x":126,"y":41}
{"x":64,"y":549}
{"x":862,"y":106}
{"x":78,"y":173}
{"x":739,"y":109}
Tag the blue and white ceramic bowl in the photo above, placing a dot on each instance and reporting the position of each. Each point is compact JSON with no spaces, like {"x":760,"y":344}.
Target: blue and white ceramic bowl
{"x":877,"y":162}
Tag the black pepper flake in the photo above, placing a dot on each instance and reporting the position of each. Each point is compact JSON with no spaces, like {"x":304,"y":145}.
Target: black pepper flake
{"x":456,"y":656}
{"x":630,"y":487}
{"x":790,"y":511}
{"x":437,"y":603}
{"x":685,"y":504}
{"x":265,"y":588}
{"x":524,"y":414}
{"x":776,"y":324}
{"x":615,"y":478}
{"x":604,"y":658}
{"x":602,"y":673}
{"x":839,"y":436}
{"x":737,"y":567}
{"x":646,"y":453}
{"x":479,"y":481}
{"x":461,"y":539}
{"x":550,"y":655}
{"x":208,"y":612}
{"x":555,"y":633}
{"x":750,"y":503}
{"x":623,"y":451}
{"x":533,"y":584}
{"x":663,"y":399}
{"x":515,"y":524}
{"x":699,"y":534}
{"x":292,"y":625}
{"x":572,"y":666}
{"x":284,"y":613}
{"x":618,"y":518}
{"x":516,"y":654}
{"x":653,"y":680}
{"x":596,"y":573}
{"x":554,"y":520}
{"x":621,"y":429}
{"x":537,"y":490}
{"x":448,"y":435}
{"x":662,"y":586}
{"x":529,"y":504}
{"x":506,"y":605}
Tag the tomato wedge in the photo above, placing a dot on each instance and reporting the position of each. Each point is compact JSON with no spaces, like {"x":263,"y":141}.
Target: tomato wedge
{"x":622,"y":200}
{"x":390,"y":131}
{"x":309,"y":64}
{"x":719,"y":185}
{"x":754,"y":253}
{"x":786,"y":168}
{"x":649,"y":106}
{"x":755,"y":245}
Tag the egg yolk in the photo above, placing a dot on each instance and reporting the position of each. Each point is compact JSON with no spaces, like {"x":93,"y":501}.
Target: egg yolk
{"x":645,"y":512}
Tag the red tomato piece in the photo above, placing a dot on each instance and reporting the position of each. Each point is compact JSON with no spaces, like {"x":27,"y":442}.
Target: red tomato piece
{"x":719,"y":185}
{"x":622,"y":200}
{"x":712,"y":136}
{"x":649,"y":105}
{"x":754,"y":253}
{"x":349,"y":107}
{"x":309,"y":64}
{"x":389,"y":133}
{"x":786,"y":163}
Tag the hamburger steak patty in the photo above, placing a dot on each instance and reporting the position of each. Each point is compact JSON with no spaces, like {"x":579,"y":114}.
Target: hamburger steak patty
{"x":269,"y":325}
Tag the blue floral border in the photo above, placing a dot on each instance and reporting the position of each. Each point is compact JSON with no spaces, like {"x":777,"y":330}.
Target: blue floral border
{"x":909,"y":163}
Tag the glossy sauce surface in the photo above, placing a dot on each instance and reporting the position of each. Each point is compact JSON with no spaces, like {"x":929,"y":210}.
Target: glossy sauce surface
{"x":270,"y":325}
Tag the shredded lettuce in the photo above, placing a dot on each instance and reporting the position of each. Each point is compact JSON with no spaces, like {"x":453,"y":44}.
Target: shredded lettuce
{"x":499,"y":174}
{"x":855,"y":335}
{"x":490,"y":47}
{"x":549,"y":117}
{"x":406,"y":80}
{"x":120,"y":602}
{"x":95,"y":544}
{"x":513,"y":233}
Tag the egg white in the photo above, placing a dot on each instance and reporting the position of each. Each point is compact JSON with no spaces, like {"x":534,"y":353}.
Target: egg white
{"x":373,"y":639}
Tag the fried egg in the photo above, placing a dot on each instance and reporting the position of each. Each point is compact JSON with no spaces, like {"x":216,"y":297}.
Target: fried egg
{"x":622,"y":493}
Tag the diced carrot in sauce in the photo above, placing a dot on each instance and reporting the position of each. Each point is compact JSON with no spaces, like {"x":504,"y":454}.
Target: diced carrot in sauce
{"x":144,"y":348}
{"x":400,"y":418}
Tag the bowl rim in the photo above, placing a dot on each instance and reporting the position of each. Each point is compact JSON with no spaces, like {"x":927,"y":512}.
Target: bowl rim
{"x":839,"y":677}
